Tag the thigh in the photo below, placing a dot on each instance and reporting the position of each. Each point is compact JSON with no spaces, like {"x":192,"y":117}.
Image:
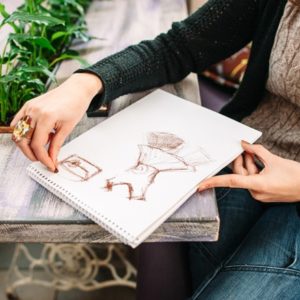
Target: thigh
{"x":238,"y":213}
{"x":267,"y":263}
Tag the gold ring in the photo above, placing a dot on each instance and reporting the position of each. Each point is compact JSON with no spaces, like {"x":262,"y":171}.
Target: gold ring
{"x":23,"y":129}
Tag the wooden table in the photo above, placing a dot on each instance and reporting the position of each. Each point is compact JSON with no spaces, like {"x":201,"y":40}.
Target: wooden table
{"x":29,"y":213}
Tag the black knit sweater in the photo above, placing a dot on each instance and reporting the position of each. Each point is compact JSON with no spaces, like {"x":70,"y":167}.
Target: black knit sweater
{"x":214,"y":32}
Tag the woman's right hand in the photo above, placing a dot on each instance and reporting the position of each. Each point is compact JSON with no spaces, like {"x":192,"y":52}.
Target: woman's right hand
{"x":278,"y":181}
{"x":54,"y":115}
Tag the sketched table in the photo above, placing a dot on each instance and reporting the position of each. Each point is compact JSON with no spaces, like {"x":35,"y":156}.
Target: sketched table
{"x":29,"y":213}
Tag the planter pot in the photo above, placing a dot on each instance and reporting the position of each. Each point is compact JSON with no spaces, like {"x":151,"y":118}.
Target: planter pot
{"x":6,"y":129}
{"x":6,"y":143}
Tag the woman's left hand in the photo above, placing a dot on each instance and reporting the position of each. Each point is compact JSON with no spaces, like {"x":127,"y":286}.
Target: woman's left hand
{"x":279,"y":181}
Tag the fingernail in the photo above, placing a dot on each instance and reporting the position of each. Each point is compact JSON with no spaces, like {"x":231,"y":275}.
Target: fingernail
{"x":55,"y":170}
{"x":248,"y":150}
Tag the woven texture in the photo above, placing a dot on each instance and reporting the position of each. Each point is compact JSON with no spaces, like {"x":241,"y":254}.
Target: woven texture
{"x":278,"y":115}
{"x":194,"y":44}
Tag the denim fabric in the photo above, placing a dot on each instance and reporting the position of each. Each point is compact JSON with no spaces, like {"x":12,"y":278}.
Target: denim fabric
{"x":257,"y":255}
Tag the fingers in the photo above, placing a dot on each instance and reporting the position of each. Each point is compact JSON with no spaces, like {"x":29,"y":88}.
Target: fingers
{"x":51,"y":135}
{"x":24,"y":146}
{"x":238,"y":166}
{"x":261,"y":152}
{"x":39,"y":140}
{"x":56,"y":143}
{"x":24,"y":143}
{"x":245,"y":165}
{"x":231,"y":180}
{"x":250,"y":164}
{"x":35,"y":149}
{"x":18,"y":116}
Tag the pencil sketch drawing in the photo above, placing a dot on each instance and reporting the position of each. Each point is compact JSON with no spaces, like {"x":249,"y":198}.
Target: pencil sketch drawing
{"x":162,"y":152}
{"x":77,"y":168}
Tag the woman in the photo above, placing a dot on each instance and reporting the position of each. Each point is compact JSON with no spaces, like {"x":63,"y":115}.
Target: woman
{"x":258,"y":253}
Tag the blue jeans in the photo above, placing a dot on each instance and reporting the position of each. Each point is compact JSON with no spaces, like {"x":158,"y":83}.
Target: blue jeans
{"x":257,"y":255}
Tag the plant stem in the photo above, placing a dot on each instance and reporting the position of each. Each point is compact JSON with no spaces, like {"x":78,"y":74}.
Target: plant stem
{"x":31,"y":8}
{"x":2,"y":56}
{"x":3,"y":103}
{"x":43,"y":34}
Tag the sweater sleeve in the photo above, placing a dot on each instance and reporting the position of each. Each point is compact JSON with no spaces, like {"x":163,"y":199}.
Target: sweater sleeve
{"x":215,"y":31}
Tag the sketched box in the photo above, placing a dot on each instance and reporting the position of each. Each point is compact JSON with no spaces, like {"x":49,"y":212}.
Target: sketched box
{"x":78,"y":168}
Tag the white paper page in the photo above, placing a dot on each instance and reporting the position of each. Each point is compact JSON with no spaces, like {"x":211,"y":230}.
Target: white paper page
{"x":155,"y":152}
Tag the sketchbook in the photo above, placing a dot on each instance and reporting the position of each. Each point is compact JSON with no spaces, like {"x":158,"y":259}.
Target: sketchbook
{"x":132,"y":171}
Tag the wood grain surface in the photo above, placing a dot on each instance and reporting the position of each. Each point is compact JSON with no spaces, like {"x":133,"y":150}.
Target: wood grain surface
{"x":29,"y":213}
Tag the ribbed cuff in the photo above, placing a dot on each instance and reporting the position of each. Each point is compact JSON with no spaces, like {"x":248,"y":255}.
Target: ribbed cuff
{"x":105,"y":96}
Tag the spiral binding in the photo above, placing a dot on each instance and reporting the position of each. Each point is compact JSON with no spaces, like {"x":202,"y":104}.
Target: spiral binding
{"x":75,"y":202}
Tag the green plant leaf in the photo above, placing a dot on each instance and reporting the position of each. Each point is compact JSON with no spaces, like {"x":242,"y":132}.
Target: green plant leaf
{"x":58,"y":35}
{"x":34,"y":40}
{"x":16,"y":49}
{"x":6,"y":58}
{"x":3,"y":11}
{"x":84,"y":37}
{"x":75,"y":30}
{"x":8,"y":78}
{"x":11,"y":24}
{"x":39,"y":69}
{"x":35,"y":18}
{"x":48,"y":25}
{"x":66,"y":56}
{"x":42,"y":61}
{"x":37,"y":84}
{"x":75,"y":4}
{"x":6,"y":15}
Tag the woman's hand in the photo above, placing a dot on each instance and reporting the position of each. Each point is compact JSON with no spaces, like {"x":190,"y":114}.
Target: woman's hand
{"x":54,"y":115}
{"x":279,"y":181}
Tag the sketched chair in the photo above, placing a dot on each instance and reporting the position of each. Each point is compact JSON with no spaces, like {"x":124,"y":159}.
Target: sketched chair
{"x":164,"y":152}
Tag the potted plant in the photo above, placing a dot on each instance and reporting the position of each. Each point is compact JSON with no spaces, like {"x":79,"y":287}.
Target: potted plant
{"x":42,"y":30}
